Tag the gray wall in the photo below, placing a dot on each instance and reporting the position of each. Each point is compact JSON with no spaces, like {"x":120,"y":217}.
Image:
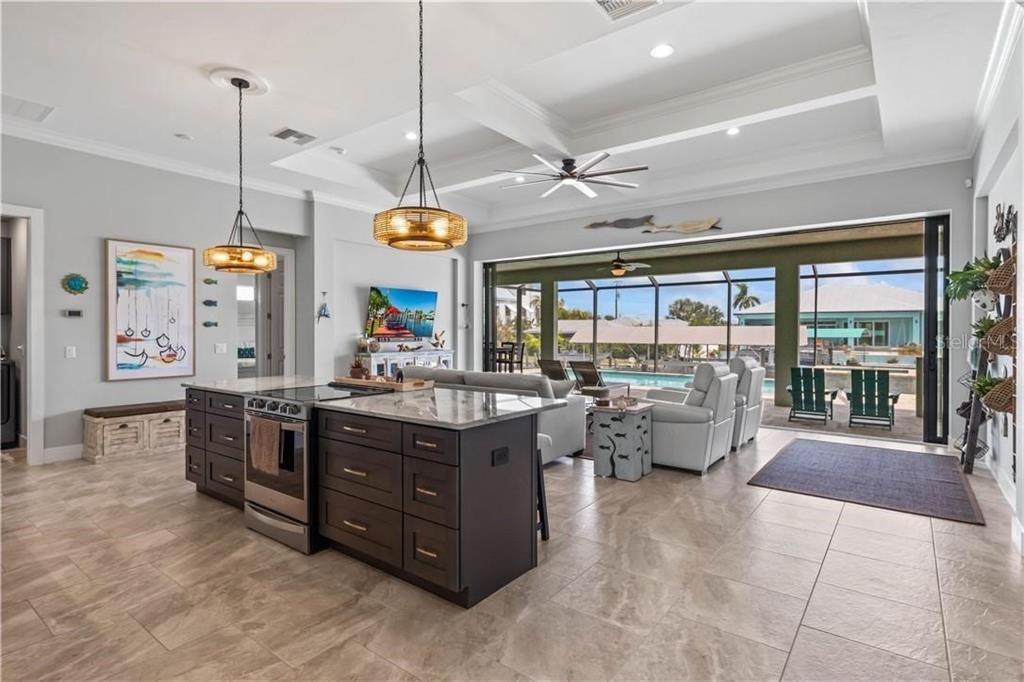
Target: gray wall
{"x":87,"y":199}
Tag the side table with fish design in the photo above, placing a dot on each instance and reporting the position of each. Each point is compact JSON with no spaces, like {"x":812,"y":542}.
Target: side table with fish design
{"x":622,"y":441}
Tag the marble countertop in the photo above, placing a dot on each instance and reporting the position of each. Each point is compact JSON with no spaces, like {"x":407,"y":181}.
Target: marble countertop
{"x":252,"y":384}
{"x":444,"y":408}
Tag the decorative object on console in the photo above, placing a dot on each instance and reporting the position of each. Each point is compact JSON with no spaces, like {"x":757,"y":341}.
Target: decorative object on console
{"x":1006,"y":223}
{"x":438,"y":341}
{"x":420,"y":228}
{"x":398,"y":384}
{"x":74,"y":283}
{"x":323,"y":311}
{"x":357,"y":371}
{"x":240,"y":257}
{"x":150,"y":311}
{"x":578,"y":177}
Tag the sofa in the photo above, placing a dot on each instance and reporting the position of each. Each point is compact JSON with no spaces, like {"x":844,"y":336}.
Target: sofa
{"x":566,"y":427}
{"x":749,"y":389}
{"x":693,"y":429}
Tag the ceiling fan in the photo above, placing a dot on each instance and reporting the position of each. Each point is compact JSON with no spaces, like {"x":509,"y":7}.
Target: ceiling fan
{"x":579,"y":177}
{"x":620,"y":266}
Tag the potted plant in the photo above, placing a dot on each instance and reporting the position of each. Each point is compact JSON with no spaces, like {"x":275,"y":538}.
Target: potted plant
{"x":970,"y":282}
{"x":983,"y":385}
{"x":357,"y":371}
{"x":982,"y":326}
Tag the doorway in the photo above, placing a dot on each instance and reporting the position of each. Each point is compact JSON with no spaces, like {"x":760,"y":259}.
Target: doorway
{"x":265,"y":319}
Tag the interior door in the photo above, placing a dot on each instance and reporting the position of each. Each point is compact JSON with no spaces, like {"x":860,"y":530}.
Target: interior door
{"x":936,"y":330}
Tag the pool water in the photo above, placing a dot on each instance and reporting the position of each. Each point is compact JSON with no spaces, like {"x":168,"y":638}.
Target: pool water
{"x":660,"y":380}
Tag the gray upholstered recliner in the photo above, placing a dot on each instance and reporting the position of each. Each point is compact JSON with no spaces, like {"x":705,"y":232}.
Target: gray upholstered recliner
{"x":693,"y":429}
{"x":749,"y":388}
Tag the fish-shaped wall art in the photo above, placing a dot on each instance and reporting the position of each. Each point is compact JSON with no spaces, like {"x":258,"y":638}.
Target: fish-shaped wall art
{"x":691,"y":227}
{"x":210,"y":303}
{"x":208,"y":323}
{"x":209,"y":280}
{"x":624,"y":223}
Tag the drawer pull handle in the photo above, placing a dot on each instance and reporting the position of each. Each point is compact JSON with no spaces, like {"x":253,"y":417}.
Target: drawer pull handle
{"x":123,"y":426}
{"x":225,"y":477}
{"x":230,"y":439}
{"x":359,"y":527}
{"x":193,"y":467}
{"x":227,"y":406}
{"x":354,"y":472}
{"x":426,"y":444}
{"x":426,"y":552}
{"x":193,"y":429}
{"x":353,"y":429}
{"x":426,"y":491}
{"x":168,"y":420}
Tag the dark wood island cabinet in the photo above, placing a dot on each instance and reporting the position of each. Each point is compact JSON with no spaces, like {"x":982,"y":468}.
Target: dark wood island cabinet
{"x":215,"y":449}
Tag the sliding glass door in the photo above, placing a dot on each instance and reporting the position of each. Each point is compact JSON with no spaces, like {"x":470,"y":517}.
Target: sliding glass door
{"x":936,"y":330}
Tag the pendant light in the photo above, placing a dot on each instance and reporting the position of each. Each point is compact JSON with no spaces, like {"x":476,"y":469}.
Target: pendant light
{"x":420,"y":227}
{"x":236,"y":255}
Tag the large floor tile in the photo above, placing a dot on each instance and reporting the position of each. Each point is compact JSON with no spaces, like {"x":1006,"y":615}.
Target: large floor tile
{"x":351,"y":661}
{"x":679,"y":530}
{"x":632,"y":601}
{"x":981,"y":583}
{"x":536,"y":587}
{"x":971,"y":663}
{"x":554,"y":642}
{"x":21,"y":626}
{"x":796,"y":542}
{"x":898,"y":628}
{"x":745,"y":610}
{"x":227,"y":654}
{"x":568,"y":555}
{"x":123,"y":554}
{"x":683,"y":649}
{"x":995,"y":627}
{"x":820,"y":656}
{"x":891,"y":548}
{"x":771,"y":570}
{"x":796,"y":516}
{"x":660,"y":561}
{"x":39,"y":579}
{"x":887,"y":521}
{"x":809,"y":501}
{"x":977,"y":550}
{"x":882,"y":579}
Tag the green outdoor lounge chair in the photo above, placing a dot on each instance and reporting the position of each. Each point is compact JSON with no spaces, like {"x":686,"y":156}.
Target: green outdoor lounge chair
{"x":810,"y":400}
{"x":871,"y":404}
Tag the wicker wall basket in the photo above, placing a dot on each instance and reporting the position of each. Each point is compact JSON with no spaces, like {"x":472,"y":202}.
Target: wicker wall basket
{"x":1002,"y":396}
{"x":1001,"y":339}
{"x":1003,"y":280}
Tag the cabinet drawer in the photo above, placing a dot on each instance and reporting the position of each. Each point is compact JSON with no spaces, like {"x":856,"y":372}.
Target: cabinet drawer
{"x":431,"y":491}
{"x":372,"y":475}
{"x":224,"y":475}
{"x":195,"y":399}
{"x":225,"y":403}
{"x":366,"y":527}
{"x":437,"y":445}
{"x":195,"y":427}
{"x":225,"y":435}
{"x":432,"y":552}
{"x":166,"y":431}
{"x":195,"y":465}
{"x":124,"y":437}
{"x":373,"y":433}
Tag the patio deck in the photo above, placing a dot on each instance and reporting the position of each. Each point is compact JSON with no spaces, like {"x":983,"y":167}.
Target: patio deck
{"x":907,"y":427}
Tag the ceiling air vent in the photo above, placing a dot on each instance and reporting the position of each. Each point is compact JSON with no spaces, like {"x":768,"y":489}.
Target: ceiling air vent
{"x":620,"y":9}
{"x":22,"y":108}
{"x":293,"y":136}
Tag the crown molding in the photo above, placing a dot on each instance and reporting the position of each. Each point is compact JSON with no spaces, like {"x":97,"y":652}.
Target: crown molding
{"x":518,"y":100}
{"x":795,"y":179}
{"x":833,"y":61}
{"x":1011,"y":21}
{"x":109,"y":151}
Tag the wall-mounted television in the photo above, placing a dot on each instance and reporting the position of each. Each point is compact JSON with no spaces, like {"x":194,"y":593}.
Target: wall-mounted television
{"x":400,"y":313}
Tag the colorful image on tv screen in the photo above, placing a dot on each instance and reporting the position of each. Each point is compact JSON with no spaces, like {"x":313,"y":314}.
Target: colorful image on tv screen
{"x":400,"y":313}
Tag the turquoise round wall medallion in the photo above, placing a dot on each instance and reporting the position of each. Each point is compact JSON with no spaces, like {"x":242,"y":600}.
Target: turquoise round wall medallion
{"x":74,"y":283}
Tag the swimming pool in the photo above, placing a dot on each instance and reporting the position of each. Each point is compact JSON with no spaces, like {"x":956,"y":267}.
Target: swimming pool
{"x":660,"y":380}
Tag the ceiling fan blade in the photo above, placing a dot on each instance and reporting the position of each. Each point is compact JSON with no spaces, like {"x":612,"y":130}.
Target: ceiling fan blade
{"x":590,"y":163}
{"x":525,"y":184}
{"x":552,"y":190}
{"x":548,"y":164}
{"x":640,"y":265}
{"x":613,"y":171}
{"x":589,"y":193}
{"x":512,"y":172}
{"x":613,"y":183}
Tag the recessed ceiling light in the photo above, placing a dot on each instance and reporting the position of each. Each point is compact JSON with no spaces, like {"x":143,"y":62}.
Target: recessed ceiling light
{"x":183,"y":136}
{"x":340,"y":151}
{"x":732,"y":131}
{"x":411,"y":136}
{"x":662,"y":51}
{"x":520,"y":178}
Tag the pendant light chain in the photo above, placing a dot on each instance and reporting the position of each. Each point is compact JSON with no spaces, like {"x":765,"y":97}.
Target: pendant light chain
{"x":421,"y":82}
{"x":241,"y":210}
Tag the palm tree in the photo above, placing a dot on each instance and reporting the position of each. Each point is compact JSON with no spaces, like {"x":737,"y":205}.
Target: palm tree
{"x":743,"y":298}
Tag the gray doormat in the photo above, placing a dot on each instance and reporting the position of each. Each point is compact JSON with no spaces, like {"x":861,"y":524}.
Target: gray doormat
{"x":929,"y":485}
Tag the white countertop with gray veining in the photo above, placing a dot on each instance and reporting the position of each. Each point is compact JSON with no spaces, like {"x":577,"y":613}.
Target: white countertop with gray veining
{"x":444,"y":408}
{"x":252,"y":384}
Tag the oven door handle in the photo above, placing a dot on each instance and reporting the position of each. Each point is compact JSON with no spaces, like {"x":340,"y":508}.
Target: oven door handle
{"x":297,"y":427}
{"x":273,"y":522}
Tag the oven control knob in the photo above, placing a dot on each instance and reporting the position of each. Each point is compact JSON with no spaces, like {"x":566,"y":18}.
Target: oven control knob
{"x":259,"y":404}
{"x":272,"y":406}
{"x":294,"y":409}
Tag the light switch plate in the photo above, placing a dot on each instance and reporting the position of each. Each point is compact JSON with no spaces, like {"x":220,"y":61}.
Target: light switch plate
{"x":70,"y":352}
{"x":220,"y":348}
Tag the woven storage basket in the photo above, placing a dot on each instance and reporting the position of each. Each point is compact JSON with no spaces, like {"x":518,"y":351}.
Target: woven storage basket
{"x":1001,"y":398}
{"x":1001,"y":339}
{"x":1003,"y":279}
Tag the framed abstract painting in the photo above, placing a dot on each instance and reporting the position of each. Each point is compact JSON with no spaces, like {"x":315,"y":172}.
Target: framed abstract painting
{"x":150,"y":311}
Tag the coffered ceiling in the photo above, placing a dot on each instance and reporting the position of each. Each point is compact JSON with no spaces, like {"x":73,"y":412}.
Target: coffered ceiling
{"x":818,"y":89}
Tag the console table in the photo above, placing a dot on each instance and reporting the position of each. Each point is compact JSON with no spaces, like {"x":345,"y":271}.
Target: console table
{"x":387,"y":363}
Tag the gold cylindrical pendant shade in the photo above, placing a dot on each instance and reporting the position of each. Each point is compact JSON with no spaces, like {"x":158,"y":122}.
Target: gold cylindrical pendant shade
{"x":419,"y":228}
{"x":240,"y":259}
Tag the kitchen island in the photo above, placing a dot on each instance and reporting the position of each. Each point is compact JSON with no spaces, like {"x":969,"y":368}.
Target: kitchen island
{"x":437,"y":487}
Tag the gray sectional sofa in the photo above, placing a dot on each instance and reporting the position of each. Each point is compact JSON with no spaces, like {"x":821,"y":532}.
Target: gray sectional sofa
{"x":566,"y":427}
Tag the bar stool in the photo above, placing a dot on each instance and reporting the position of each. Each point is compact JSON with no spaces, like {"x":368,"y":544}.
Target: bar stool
{"x":544,"y":444}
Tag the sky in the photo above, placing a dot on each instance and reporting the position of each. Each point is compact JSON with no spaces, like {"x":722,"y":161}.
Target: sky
{"x":639,"y":303}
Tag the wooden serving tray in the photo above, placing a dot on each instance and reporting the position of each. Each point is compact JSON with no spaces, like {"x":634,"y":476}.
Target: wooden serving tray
{"x":390,"y":384}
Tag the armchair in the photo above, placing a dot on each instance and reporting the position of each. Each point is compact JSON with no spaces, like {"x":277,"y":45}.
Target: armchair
{"x":693,"y":429}
{"x":749,"y":389}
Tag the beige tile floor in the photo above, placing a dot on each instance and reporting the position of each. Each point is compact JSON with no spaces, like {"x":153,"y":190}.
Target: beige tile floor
{"x":121,"y":571}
